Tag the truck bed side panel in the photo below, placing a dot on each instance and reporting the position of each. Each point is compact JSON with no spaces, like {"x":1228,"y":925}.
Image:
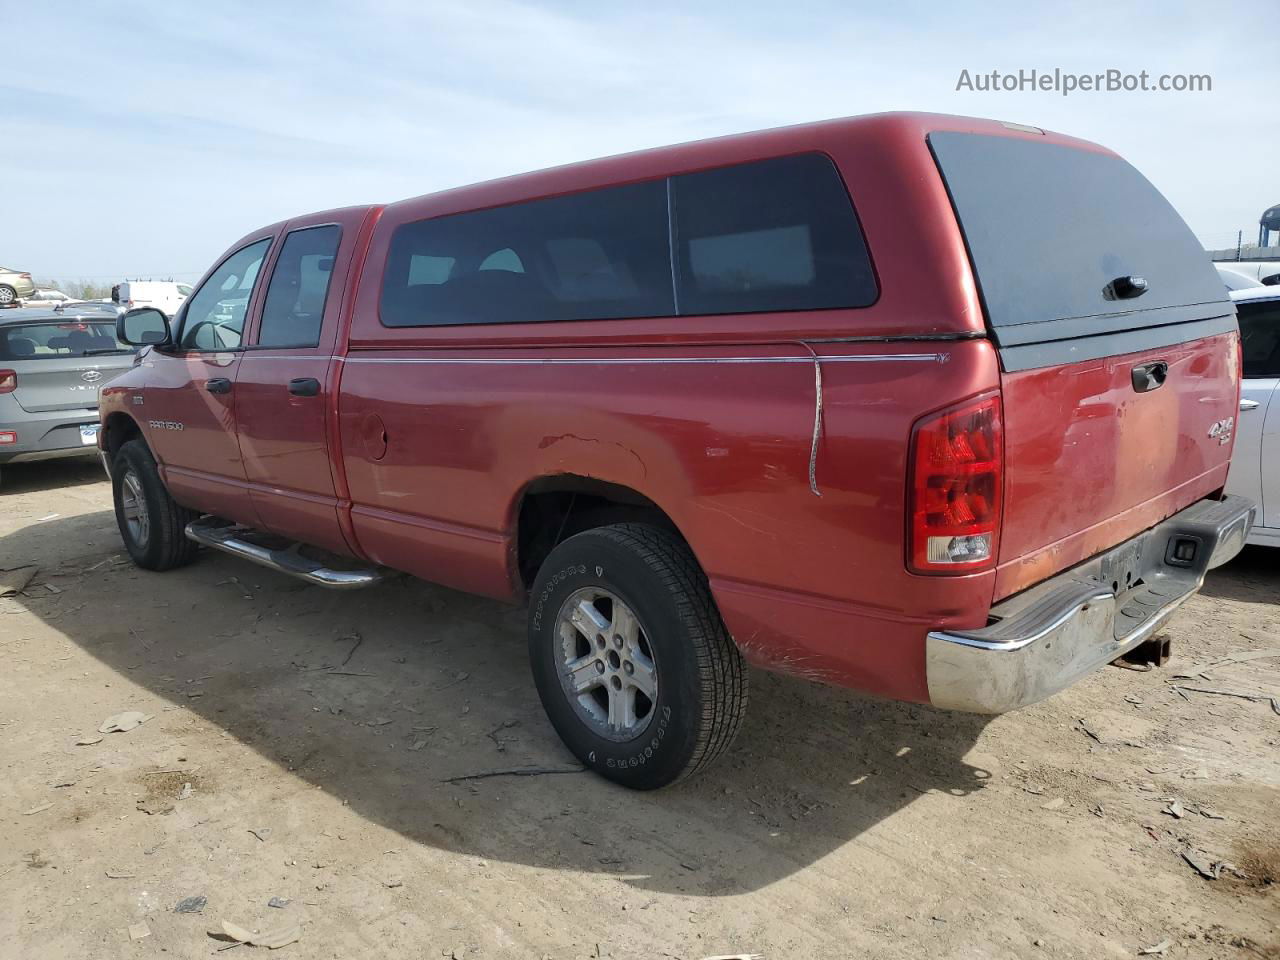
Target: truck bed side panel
{"x":717,"y":437}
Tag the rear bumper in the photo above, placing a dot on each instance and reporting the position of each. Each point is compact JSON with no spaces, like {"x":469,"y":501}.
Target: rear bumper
{"x":1056,"y":632}
{"x":42,"y":436}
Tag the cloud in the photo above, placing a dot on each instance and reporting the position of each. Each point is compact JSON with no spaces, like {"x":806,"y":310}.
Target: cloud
{"x":144,"y":142}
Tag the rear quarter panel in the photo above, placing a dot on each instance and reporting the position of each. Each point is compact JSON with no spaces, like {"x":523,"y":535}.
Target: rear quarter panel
{"x":719,"y":437}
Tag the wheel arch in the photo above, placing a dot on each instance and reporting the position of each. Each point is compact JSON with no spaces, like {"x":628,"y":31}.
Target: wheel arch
{"x":552,"y":508}
{"x":118,"y":429}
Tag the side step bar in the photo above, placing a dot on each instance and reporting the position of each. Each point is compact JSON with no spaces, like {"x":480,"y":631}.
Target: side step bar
{"x":233,"y":540}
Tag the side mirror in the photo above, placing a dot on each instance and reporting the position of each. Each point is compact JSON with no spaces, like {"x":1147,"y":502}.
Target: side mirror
{"x":142,"y":327}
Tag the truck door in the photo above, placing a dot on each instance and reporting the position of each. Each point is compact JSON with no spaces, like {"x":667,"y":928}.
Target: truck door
{"x":189,"y":405}
{"x":288,"y":379}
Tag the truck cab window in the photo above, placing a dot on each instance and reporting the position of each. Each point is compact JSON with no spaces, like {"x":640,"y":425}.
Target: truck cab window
{"x":215,"y":313}
{"x":294,"y":307}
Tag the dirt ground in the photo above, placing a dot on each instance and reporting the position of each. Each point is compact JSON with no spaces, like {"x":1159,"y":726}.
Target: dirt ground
{"x":318,"y":733}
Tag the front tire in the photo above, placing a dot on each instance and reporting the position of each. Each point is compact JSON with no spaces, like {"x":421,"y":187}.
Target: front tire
{"x":8,"y":295}
{"x":634,"y":666}
{"x":151,"y":524}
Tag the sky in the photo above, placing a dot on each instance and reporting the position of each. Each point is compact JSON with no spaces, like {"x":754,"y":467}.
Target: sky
{"x":140,"y":139}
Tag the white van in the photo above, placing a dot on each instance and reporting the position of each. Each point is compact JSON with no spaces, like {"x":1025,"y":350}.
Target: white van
{"x":162,"y":294}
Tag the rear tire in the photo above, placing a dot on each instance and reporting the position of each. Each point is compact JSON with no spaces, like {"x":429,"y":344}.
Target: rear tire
{"x":151,"y":524}
{"x":634,"y":666}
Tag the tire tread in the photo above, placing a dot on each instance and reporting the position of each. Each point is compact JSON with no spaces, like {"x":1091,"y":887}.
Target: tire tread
{"x":721,"y":666}
{"x":169,"y":521}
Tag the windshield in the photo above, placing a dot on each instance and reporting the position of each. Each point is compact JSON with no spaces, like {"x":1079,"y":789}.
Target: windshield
{"x":51,"y":341}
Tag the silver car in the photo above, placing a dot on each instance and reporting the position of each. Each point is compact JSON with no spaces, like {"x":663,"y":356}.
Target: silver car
{"x":1255,"y":460}
{"x":52,"y":365}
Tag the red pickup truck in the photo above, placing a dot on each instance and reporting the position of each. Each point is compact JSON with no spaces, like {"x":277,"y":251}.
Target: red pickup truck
{"x":936,"y":408}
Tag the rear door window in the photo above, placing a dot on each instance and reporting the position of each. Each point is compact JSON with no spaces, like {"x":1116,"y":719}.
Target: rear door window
{"x":1049,"y":227}
{"x":778,"y":234}
{"x":294,"y":307}
{"x":594,"y":255}
{"x":1260,"y":337}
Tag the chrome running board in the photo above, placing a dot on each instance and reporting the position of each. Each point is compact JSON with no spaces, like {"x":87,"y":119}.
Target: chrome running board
{"x":231,"y":539}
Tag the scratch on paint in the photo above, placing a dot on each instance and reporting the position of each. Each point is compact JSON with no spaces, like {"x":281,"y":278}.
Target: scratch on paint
{"x":550,"y":441}
{"x":769,"y":657}
{"x":738,"y":520}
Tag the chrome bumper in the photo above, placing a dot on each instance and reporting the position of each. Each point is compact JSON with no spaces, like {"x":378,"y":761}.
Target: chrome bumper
{"x":1054,"y":633}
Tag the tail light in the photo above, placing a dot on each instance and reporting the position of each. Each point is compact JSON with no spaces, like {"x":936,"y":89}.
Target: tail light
{"x":8,"y":381}
{"x":957,"y":460}
{"x":8,"y":436}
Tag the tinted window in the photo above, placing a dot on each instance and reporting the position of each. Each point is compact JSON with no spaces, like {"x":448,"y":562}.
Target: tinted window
{"x":600,"y":254}
{"x":1260,"y":337}
{"x":774,"y":235}
{"x":51,"y":341}
{"x":214,"y":317}
{"x":294,"y":306}
{"x":1049,"y":227}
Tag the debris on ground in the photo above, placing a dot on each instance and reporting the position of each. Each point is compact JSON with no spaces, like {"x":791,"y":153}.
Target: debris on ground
{"x":1155,"y":949}
{"x":16,"y":580}
{"x":1174,"y":809}
{"x":358,"y":639}
{"x":734,"y":956}
{"x":123,"y":722}
{"x":40,"y":809}
{"x":88,"y":741}
{"x":261,"y":833}
{"x":138,"y":930}
{"x":278,"y":902}
{"x":153,"y":806}
{"x":1057,"y":803}
{"x":272,"y":939}
{"x":191,"y":904}
{"x":1242,"y":657}
{"x":119,"y":875}
{"x":520,"y":772}
{"x":1209,"y":869}
{"x":1273,"y":699}
{"x":185,"y":793}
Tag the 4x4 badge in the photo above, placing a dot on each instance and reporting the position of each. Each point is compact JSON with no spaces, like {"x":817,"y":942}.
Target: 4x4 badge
{"x":1221,"y":430}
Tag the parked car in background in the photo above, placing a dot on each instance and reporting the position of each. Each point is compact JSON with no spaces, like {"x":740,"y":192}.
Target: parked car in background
{"x":165,"y":295}
{"x":1255,"y":467}
{"x":15,"y":285}
{"x":668,"y":400}
{"x":52,"y":365}
{"x":1234,"y":280}
{"x":1266,"y":272}
{"x":48,"y":297}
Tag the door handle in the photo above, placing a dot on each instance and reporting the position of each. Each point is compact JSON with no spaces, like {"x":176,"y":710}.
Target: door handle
{"x":304,"y":386}
{"x":1248,"y":404}
{"x":218,"y":385}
